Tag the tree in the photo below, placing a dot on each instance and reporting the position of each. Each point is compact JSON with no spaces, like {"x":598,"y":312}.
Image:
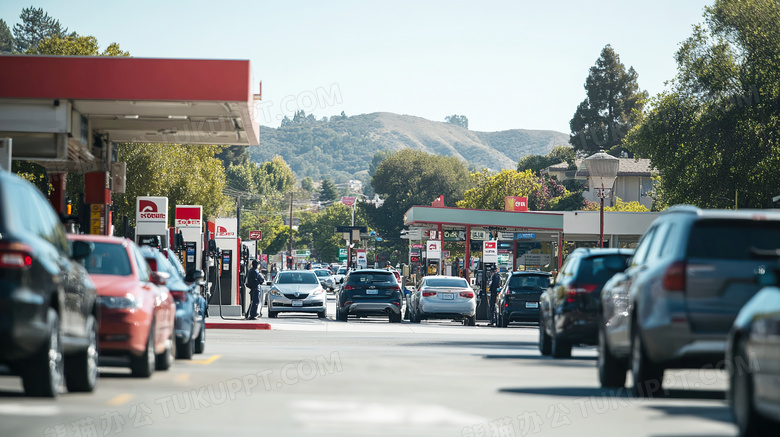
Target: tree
{"x":490,"y":189}
{"x":328,"y":191}
{"x":537,"y":163}
{"x":36,"y":25}
{"x":612,"y":107}
{"x":714,"y":134}
{"x":318,"y":229}
{"x":307,"y":184}
{"x":377,"y":159}
{"x":460,"y":120}
{"x":74,"y":45}
{"x":6,"y":39}
{"x":619,"y":205}
{"x":233,"y":155}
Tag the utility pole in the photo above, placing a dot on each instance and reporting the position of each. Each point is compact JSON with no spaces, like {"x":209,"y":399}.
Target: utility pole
{"x":291,"y":227}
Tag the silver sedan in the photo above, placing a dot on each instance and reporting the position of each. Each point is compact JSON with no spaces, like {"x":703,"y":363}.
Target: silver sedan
{"x":443,"y":297}
{"x":296,"y":291}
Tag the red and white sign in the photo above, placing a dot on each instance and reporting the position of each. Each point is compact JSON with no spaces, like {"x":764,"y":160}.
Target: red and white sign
{"x":512,"y":203}
{"x":225,"y":228}
{"x":438,"y":203}
{"x":348,"y":200}
{"x":417,"y":246}
{"x":255,"y":235}
{"x":433,"y":249}
{"x":490,"y":251}
{"x":189,"y":216}
{"x":151,"y":209}
{"x":445,"y":254}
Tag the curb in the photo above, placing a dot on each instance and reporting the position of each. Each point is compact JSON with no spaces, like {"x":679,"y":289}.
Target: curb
{"x":255,"y":326}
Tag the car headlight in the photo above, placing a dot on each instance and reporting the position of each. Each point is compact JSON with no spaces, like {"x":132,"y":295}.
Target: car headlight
{"x":276,"y":292}
{"x":317,"y":291}
{"x":128,"y":301}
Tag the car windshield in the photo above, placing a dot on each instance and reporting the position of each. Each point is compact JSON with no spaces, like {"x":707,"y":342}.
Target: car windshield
{"x":297,"y":278}
{"x":342,"y":271}
{"x":322,"y":273}
{"x":108,"y":259}
{"x":371,"y":277}
{"x":447,"y":282}
{"x":533,"y":282}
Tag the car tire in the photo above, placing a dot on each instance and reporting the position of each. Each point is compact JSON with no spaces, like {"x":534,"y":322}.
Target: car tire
{"x":43,"y":374}
{"x":612,"y":370}
{"x":414,"y":317}
{"x":559,"y":347}
{"x":407,"y":313}
{"x":750,"y":422}
{"x":164,"y":361}
{"x":394,"y":318}
{"x":647,"y":376}
{"x":143,"y":366}
{"x":322,"y":314}
{"x":81,"y":368}
{"x":185,"y":349}
{"x":200,"y":342}
{"x":503,"y":321}
{"x":545,"y":342}
{"x":470,"y":321}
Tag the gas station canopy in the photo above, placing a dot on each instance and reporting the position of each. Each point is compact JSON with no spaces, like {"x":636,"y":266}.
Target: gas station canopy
{"x":53,"y":106}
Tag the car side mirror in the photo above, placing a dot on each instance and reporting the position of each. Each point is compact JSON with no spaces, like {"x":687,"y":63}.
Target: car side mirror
{"x":158,"y":278}
{"x":82,"y":249}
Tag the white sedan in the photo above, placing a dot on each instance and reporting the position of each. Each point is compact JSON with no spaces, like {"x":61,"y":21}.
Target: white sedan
{"x":443,"y":297}
{"x":296,"y":291}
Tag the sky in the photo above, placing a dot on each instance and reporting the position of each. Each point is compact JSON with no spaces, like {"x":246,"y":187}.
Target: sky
{"x":504,"y":64}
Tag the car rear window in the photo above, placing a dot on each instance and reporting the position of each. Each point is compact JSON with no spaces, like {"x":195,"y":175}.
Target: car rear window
{"x":533,"y":282}
{"x":596,"y":270}
{"x":446,"y":282}
{"x":109,"y":259}
{"x":732,"y":239}
{"x":321,"y":273}
{"x":371,"y":277}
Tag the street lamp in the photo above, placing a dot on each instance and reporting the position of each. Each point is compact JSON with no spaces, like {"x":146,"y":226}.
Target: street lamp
{"x":602,"y":172}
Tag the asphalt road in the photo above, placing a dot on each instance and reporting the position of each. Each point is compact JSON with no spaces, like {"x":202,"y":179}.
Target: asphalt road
{"x":310,"y":377}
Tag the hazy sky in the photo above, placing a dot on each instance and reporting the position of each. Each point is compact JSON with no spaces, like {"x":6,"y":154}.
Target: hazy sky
{"x":503,"y":64}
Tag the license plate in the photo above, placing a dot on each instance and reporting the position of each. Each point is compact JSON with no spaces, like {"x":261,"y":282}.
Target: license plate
{"x":532,"y":304}
{"x":372,"y":291}
{"x":297,"y":303}
{"x":447,"y":296}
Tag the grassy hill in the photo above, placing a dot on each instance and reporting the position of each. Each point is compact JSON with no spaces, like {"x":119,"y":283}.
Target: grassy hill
{"x":341,"y":149}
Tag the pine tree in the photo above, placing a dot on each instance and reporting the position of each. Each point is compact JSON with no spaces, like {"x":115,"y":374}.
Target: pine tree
{"x":35,"y":26}
{"x":328,"y":191}
{"x":6,"y":39}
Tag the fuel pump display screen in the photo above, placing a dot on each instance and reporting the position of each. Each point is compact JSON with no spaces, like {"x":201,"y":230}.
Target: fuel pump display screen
{"x":190,"y":254}
{"x":226,"y":262}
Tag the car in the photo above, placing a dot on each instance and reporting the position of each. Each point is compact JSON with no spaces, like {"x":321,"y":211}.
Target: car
{"x":569,"y":308}
{"x":340,"y":274}
{"x":677,"y":301}
{"x":190,"y":323}
{"x":326,"y":279}
{"x":48,"y":304}
{"x":751,"y":350}
{"x":296,"y":291}
{"x":443,"y":297}
{"x":137,"y":311}
{"x":518,"y":300}
{"x":369,"y":292}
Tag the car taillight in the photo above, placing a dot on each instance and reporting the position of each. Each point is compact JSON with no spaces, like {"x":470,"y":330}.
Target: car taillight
{"x":349,"y":287}
{"x":428,"y":293}
{"x":674,"y":277}
{"x":573,"y":290}
{"x":467,"y":294}
{"x":15,"y":256}
{"x":179,"y":295}
{"x":396,"y":287}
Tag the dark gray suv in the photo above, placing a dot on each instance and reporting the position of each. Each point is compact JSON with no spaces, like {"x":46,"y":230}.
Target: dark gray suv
{"x":675,"y":304}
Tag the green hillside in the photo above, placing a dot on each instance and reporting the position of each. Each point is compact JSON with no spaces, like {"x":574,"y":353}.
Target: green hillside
{"x":342,"y":148}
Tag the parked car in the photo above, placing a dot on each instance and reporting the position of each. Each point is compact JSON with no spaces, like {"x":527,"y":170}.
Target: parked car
{"x":326,"y":279}
{"x":369,"y":292}
{"x":752,"y":350}
{"x":48,"y":304}
{"x":296,"y":291}
{"x":443,"y":297}
{"x":137,"y":311}
{"x":673,"y":308}
{"x":518,"y":300}
{"x":190,"y":323}
{"x":569,"y":308}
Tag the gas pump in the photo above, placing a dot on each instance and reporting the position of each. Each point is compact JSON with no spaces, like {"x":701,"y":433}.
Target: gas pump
{"x":151,"y":221}
{"x":190,"y":250}
{"x":243,"y":270}
{"x":226,"y":275}
{"x":483,"y":280}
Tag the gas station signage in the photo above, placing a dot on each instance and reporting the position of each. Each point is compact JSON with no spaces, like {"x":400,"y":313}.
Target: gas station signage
{"x":225,"y":228}
{"x":490,"y":251}
{"x":189,"y":216}
{"x":255,"y":235}
{"x":433,"y":249}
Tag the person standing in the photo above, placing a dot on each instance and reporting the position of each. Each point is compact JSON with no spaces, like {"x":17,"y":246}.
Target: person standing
{"x":495,"y":285}
{"x":254,"y":282}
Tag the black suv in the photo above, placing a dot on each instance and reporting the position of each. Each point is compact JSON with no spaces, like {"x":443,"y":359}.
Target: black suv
{"x":518,"y":300}
{"x":569,"y":309}
{"x":369,"y":292}
{"x":48,"y":310}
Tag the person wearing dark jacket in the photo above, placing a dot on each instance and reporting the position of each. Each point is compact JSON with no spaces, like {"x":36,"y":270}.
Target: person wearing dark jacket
{"x":495,"y":285}
{"x":254,"y":282}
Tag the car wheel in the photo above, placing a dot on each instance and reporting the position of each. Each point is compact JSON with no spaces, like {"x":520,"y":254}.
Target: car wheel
{"x":143,"y":366}
{"x":81,"y":369}
{"x":503,"y":321}
{"x":545,"y":343}
{"x":560,"y":348}
{"x":612,"y":371}
{"x":200,"y":342}
{"x":341,"y":316}
{"x":322,"y":314}
{"x":42,"y":377}
{"x":470,"y":321}
{"x":185,"y":349}
{"x":749,"y":421}
{"x":395,"y":318}
{"x":164,"y":361}
{"x":414,"y":317}
{"x":647,"y":375}
{"x":407,"y":313}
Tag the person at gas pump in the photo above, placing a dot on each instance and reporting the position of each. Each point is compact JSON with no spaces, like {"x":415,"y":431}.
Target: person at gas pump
{"x":254,"y":282}
{"x":495,"y":285}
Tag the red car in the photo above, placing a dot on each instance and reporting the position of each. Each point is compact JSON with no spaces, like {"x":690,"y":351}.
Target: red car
{"x":136,"y":309}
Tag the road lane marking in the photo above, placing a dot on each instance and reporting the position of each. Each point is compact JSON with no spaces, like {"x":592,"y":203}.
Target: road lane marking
{"x":182,"y":378}
{"x":28,"y":410}
{"x":120,"y":400}
{"x":208,"y":361}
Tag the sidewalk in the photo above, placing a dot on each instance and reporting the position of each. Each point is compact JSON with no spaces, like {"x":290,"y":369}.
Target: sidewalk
{"x":215,"y":322}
